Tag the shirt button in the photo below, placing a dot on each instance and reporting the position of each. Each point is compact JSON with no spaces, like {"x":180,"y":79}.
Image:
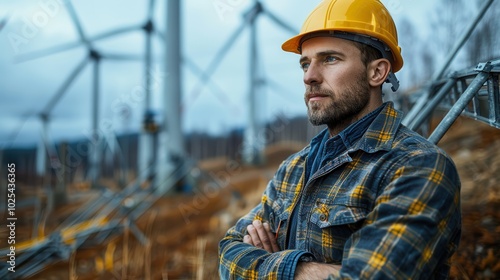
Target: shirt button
{"x":322,"y":217}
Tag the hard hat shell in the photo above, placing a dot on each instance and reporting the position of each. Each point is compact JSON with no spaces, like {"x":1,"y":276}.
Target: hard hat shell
{"x":367,"y":17}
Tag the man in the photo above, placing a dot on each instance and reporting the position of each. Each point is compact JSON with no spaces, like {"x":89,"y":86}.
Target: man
{"x":368,"y":198}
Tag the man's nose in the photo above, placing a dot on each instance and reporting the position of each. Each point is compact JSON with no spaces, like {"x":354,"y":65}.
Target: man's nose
{"x":313,"y":75}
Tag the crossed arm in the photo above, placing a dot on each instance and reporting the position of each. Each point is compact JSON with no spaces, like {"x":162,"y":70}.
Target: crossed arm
{"x":410,"y":233}
{"x":260,"y":236}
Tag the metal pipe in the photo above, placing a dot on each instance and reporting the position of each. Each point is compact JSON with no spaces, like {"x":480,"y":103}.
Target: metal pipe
{"x":494,"y":100}
{"x":427,"y":110}
{"x":459,"y":106}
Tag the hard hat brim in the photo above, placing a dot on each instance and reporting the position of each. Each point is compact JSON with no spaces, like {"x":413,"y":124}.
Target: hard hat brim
{"x":293,"y":45}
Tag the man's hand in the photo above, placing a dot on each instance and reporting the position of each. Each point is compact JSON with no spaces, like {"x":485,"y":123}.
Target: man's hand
{"x":313,"y":270}
{"x":260,"y":236}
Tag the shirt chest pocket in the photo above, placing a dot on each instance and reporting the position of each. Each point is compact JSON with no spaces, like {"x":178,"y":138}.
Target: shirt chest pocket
{"x":279,"y":219}
{"x":332,"y":224}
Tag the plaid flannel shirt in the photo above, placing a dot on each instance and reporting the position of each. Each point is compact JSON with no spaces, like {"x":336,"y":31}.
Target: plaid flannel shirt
{"x":389,"y":207}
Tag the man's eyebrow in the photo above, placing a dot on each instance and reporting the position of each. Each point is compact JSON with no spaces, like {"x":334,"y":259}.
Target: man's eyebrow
{"x":322,"y":54}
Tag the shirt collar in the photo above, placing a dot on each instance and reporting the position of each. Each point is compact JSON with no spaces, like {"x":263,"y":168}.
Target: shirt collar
{"x":356,"y":130}
{"x":374,"y":132}
{"x":381,"y":132}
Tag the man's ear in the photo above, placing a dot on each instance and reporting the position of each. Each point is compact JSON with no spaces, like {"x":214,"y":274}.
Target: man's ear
{"x":378,"y":70}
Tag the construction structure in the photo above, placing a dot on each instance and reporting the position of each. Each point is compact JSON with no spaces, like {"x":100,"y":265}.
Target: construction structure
{"x":111,"y":217}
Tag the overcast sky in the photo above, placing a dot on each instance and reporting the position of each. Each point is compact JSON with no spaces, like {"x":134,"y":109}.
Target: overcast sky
{"x":26,"y":87}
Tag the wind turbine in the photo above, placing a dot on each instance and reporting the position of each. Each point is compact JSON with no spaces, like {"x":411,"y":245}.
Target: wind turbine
{"x":172,"y":141}
{"x":252,"y":147}
{"x":93,"y":57}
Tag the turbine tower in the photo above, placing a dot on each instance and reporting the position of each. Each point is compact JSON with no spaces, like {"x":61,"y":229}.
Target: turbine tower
{"x":171,"y":143}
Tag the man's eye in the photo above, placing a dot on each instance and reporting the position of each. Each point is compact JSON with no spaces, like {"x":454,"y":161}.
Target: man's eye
{"x":304,"y":66}
{"x":330,"y":58}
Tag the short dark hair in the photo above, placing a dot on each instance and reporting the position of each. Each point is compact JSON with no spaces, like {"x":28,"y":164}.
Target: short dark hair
{"x":368,"y":53}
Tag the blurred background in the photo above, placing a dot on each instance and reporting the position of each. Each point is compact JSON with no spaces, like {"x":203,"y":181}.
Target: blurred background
{"x":141,"y":130}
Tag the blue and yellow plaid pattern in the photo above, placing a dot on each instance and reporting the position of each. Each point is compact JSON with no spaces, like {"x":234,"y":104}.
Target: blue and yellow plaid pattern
{"x":387,"y":208}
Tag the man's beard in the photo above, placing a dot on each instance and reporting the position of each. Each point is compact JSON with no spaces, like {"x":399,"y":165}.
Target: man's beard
{"x":342,"y":107}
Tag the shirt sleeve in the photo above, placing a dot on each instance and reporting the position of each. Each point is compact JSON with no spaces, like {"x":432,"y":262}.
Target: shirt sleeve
{"x":238,"y":260}
{"x":414,"y":227}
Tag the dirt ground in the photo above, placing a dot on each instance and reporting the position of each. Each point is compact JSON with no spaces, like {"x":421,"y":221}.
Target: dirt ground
{"x":475,"y":148}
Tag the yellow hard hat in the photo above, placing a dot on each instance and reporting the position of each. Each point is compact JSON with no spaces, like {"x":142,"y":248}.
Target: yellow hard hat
{"x":368,"y":18}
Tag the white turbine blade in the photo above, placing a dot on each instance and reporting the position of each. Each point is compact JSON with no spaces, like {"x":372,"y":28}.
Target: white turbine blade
{"x":62,"y":90}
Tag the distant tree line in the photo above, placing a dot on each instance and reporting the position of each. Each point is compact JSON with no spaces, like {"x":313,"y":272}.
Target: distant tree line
{"x":199,"y":146}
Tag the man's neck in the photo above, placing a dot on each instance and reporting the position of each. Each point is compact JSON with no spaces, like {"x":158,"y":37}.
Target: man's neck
{"x":335,"y":129}
{"x":373,"y":104}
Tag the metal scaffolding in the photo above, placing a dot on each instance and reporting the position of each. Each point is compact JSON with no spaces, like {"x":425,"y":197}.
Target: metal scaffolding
{"x":473,"y":93}
{"x":426,"y":91}
{"x":93,"y":223}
